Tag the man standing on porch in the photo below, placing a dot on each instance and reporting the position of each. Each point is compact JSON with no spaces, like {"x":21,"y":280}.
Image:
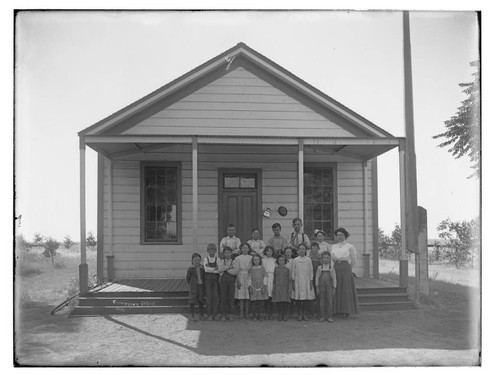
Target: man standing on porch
{"x":231,"y":241}
{"x":297,"y":237}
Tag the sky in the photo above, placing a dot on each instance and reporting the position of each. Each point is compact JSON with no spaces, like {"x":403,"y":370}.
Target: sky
{"x":75,"y":68}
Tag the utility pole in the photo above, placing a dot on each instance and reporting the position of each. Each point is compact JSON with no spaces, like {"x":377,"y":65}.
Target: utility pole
{"x":411,"y":165}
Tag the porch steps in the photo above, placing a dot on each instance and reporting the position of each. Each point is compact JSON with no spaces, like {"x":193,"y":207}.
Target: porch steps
{"x":373,"y":299}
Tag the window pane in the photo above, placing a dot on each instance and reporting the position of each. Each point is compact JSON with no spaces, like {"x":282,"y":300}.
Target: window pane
{"x":160,"y":177}
{"x":150,"y":195}
{"x":317,"y":194}
{"x":231,"y":181}
{"x":327,"y":212}
{"x":150,"y":213}
{"x":161,"y":213}
{"x":150,"y":231}
{"x":161,"y":231}
{"x":150,"y":176}
{"x":171,"y":196}
{"x":308,"y":193}
{"x":308,"y":177}
{"x":317,"y":178}
{"x":327,"y":178}
{"x":327,"y":195}
{"x":317,"y":212}
{"x":172,"y":213}
{"x":247,"y":182}
{"x":161,"y":195}
{"x":172,"y":177}
{"x":172,"y":231}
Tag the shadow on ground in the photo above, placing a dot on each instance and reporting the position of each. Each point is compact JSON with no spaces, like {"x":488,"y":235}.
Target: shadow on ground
{"x":445,"y":321}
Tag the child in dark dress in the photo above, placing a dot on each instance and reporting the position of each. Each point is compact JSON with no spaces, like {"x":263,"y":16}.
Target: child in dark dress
{"x":257,"y":285}
{"x":282,"y":287}
{"x":194,"y":277}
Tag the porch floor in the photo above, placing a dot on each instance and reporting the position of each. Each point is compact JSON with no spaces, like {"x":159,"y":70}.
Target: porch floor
{"x":180,"y":285}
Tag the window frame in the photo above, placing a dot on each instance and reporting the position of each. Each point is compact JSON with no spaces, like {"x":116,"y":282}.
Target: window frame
{"x":165,"y":164}
{"x":335,"y":202}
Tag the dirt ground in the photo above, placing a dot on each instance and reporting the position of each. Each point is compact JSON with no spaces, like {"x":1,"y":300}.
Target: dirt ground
{"x":444,"y":331}
{"x":423,"y":337}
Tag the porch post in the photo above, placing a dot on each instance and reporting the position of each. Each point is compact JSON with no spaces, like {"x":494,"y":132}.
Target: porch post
{"x":110,"y":258}
{"x":195,"y":193}
{"x":83,"y":271}
{"x":366,"y":254}
{"x":301,"y":180}
{"x":403,"y":260}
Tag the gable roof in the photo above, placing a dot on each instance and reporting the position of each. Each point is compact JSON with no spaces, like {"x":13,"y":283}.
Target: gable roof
{"x":239,"y":55}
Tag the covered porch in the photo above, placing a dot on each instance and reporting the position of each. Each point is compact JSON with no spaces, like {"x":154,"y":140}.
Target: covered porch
{"x":124,"y":147}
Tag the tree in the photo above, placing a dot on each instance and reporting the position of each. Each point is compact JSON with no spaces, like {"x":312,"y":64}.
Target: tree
{"x":37,"y":239}
{"x":462,"y":240}
{"x":396,"y":238}
{"x":50,"y":245}
{"x":462,"y":134}
{"x":21,"y":243}
{"x":385,"y":248}
{"x":390,"y":247}
{"x":91,"y":241}
{"x":68,"y":242}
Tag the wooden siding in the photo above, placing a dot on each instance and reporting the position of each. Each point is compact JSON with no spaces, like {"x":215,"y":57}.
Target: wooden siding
{"x":351,"y":210}
{"x":279,"y":187}
{"x":240,"y":103}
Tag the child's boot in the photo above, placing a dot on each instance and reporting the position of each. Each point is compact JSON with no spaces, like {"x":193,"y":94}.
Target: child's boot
{"x":247,"y":306}
{"x":242,"y":307}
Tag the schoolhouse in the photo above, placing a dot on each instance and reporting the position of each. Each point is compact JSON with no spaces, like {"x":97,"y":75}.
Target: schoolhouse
{"x":238,"y":140}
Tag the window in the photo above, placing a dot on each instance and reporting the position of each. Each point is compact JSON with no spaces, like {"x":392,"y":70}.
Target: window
{"x":160,"y":198}
{"x":240,"y":181}
{"x":319,"y":200}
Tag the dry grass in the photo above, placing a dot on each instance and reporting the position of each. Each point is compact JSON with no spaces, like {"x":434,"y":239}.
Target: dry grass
{"x":38,"y":280}
{"x":438,"y":271}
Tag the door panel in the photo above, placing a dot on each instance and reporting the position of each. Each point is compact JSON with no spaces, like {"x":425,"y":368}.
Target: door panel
{"x":240,"y":209}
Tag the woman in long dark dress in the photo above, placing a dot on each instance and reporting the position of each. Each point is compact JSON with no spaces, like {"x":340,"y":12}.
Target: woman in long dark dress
{"x":345,"y":301}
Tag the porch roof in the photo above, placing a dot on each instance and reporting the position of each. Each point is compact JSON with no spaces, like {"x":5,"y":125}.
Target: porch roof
{"x":358,"y":149}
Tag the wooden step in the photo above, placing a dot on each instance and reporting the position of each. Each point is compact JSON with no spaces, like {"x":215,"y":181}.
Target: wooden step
{"x":392,"y":290}
{"x":135,"y":294}
{"x":392,"y":297}
{"x":133,"y":301}
{"x":112,"y":310}
{"x":387,"y":306}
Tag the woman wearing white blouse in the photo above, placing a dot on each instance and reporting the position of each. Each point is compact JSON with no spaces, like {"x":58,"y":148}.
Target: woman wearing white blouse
{"x":345,"y":301}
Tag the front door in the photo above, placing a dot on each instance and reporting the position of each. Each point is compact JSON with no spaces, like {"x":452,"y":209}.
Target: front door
{"x":239,"y":202}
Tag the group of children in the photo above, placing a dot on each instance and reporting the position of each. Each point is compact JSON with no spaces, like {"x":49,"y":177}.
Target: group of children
{"x":289,"y":274}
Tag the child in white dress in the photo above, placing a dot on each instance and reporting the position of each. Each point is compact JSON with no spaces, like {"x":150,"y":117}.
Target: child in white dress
{"x":302,"y":276}
{"x":242,"y":264}
{"x":269,"y":263}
